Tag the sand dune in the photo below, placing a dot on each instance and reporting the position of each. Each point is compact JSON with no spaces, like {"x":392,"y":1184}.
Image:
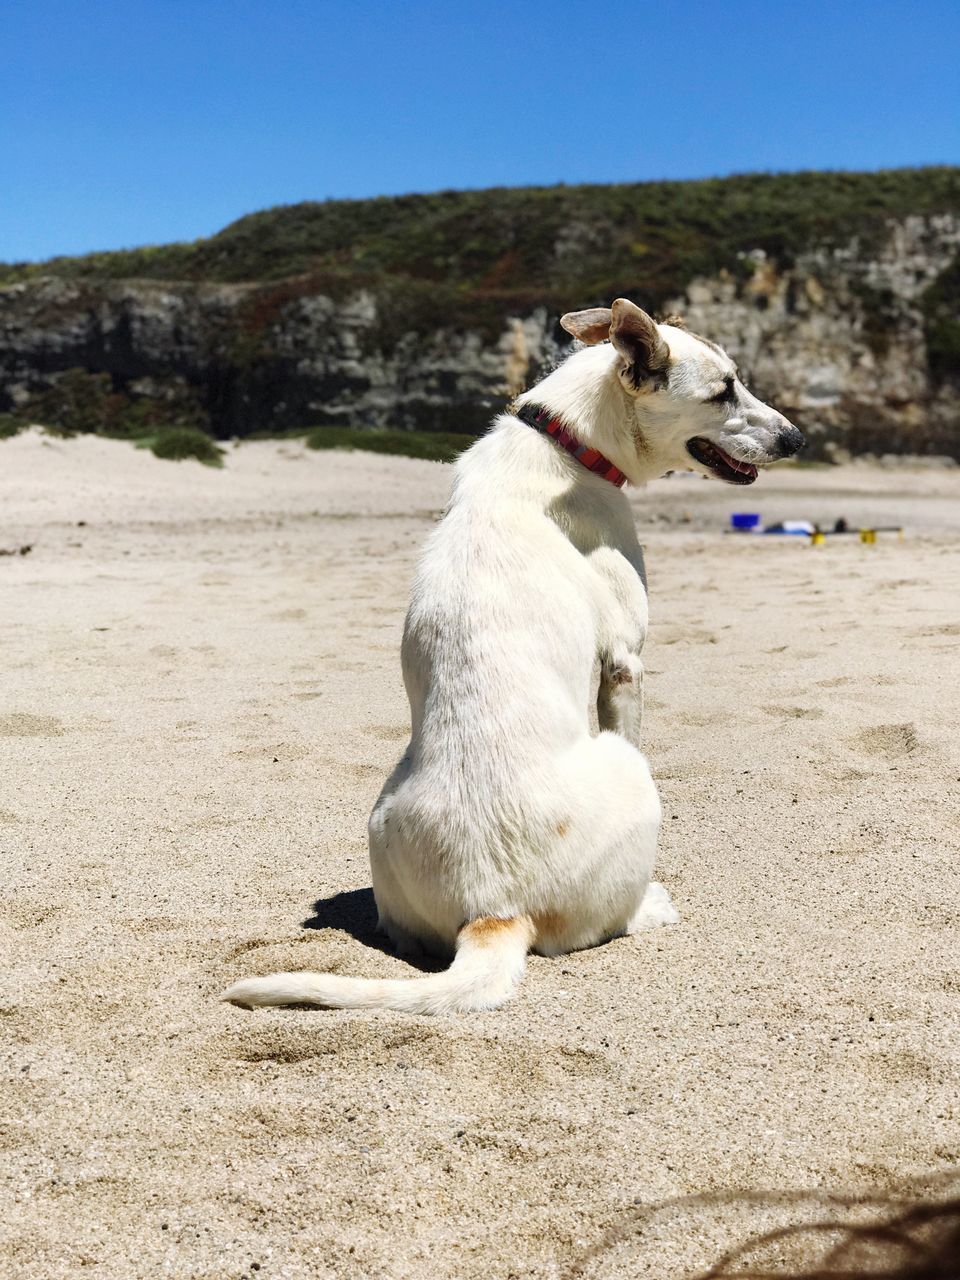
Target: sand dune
{"x":201,"y":696}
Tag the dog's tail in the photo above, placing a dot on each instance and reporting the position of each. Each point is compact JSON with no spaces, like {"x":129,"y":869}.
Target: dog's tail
{"x":489,"y":962}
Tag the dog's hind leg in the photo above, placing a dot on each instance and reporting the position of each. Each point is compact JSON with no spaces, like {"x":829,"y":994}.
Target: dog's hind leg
{"x":655,"y":909}
{"x":620,"y":709}
{"x":399,"y":915}
{"x":593,"y":875}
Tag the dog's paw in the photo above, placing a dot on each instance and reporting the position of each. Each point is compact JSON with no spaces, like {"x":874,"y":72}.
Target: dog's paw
{"x":655,"y":909}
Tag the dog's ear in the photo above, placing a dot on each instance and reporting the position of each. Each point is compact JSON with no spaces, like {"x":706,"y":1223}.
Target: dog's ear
{"x":590,"y":326}
{"x":636,"y":336}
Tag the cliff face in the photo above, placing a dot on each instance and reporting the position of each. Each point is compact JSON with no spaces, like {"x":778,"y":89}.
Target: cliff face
{"x":852,"y":342}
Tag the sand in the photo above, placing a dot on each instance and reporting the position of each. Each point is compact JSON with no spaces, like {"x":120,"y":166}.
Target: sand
{"x":201,"y":696}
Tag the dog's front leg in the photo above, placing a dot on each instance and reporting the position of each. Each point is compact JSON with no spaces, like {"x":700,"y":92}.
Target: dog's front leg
{"x":620,"y":695}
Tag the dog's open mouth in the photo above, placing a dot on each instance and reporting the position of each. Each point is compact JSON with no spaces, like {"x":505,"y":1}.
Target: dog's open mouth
{"x":721,"y":464}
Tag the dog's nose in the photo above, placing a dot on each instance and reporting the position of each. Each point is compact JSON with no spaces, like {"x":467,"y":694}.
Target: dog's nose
{"x":789,"y":440}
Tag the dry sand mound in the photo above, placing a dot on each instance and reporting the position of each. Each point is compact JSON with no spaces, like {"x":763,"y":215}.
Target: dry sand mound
{"x":201,"y":696}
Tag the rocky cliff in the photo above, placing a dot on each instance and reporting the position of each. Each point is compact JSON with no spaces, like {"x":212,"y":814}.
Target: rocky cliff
{"x":853,"y":334}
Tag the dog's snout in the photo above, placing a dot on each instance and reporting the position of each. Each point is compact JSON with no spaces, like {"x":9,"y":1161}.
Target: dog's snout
{"x":789,"y":440}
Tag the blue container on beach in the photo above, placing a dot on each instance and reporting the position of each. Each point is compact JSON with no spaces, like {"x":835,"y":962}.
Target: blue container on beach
{"x":744,"y":521}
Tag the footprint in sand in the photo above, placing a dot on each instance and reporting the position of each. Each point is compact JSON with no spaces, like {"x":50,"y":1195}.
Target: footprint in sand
{"x":354,"y":768}
{"x":492,"y":1064}
{"x":849,"y":775}
{"x":280,"y":753}
{"x":940,"y":629}
{"x":257,"y":944}
{"x":687,"y":638}
{"x":389,"y":732}
{"x":794,"y":713}
{"x":23,"y":725}
{"x":889,"y":741}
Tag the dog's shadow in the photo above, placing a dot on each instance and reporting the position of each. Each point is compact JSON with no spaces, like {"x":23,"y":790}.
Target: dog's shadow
{"x":355,"y":912}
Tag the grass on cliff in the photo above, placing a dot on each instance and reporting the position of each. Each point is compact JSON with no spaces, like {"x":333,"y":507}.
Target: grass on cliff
{"x":436,"y":446}
{"x":562,"y":245}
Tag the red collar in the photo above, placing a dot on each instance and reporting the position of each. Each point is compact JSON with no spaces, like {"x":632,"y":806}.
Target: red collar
{"x":592,"y":459}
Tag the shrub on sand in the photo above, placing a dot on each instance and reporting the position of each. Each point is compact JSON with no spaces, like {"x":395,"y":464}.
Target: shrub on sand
{"x":10,"y":425}
{"x":176,"y":443}
{"x":437,"y":446}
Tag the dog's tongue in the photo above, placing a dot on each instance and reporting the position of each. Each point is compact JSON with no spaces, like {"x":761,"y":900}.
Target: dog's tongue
{"x":745,"y":468}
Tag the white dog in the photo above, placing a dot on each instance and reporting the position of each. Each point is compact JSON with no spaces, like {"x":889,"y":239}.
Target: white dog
{"x":506,"y":825}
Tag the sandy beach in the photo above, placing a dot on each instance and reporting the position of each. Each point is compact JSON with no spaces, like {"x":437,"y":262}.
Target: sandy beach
{"x":201,"y":697}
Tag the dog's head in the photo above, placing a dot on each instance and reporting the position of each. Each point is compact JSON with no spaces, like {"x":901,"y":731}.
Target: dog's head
{"x":688,"y":400}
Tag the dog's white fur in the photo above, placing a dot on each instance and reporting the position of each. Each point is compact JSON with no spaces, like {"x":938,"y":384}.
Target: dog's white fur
{"x":507,"y":826}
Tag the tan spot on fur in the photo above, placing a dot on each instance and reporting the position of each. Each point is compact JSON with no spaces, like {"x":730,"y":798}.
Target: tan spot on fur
{"x":489,"y":929}
{"x":549,"y":924}
{"x":562,"y":827}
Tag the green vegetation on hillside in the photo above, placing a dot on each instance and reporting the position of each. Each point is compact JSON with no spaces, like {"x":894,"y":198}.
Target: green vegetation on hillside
{"x":482,"y":251}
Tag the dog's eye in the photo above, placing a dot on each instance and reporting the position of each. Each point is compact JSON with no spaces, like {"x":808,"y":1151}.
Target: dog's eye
{"x":726,"y":395}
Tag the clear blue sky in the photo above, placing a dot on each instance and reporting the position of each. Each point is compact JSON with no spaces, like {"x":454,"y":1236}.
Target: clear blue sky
{"x":126,"y":122}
